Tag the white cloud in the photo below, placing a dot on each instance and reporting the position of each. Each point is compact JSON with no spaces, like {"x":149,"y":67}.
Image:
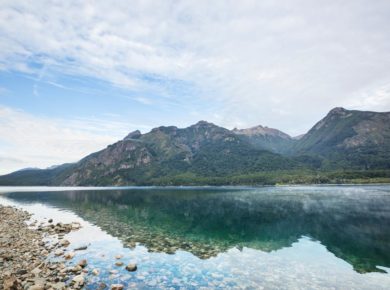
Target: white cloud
{"x":277,"y":63}
{"x":30,"y":141}
{"x":375,"y":98}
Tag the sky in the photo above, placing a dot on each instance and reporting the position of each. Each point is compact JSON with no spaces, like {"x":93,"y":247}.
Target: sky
{"x":76,"y":76}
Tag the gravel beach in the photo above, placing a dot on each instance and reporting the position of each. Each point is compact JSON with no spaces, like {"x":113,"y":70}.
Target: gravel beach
{"x":26,"y":248}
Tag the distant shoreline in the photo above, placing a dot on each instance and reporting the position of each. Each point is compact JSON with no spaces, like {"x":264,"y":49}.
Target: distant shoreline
{"x":26,"y":188}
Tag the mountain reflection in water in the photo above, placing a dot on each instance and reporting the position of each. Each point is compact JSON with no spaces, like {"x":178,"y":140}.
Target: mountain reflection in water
{"x":352,"y":222}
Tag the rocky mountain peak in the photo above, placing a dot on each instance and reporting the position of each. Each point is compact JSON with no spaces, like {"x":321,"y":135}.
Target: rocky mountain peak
{"x":133,"y":135}
{"x":261,"y":131}
{"x":165,"y":129}
{"x":203,"y":123}
{"x":338,"y":111}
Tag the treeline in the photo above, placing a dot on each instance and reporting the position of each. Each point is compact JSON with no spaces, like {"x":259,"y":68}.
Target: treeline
{"x":278,"y":177}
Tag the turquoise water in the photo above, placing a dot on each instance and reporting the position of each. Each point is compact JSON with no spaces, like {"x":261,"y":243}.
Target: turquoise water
{"x":306,"y":237}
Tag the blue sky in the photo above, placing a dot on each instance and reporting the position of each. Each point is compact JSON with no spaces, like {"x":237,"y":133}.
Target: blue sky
{"x":75,"y":77}
{"x":68,"y":97}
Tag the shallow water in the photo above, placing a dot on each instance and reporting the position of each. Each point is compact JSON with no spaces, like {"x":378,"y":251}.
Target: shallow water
{"x":298,"y":237}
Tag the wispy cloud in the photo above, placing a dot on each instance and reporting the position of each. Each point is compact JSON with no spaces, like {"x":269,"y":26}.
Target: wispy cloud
{"x":31,"y":141}
{"x":279,"y":63}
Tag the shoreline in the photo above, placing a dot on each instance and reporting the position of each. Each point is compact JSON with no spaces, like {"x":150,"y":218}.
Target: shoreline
{"x":26,"y":188}
{"x":26,"y":251}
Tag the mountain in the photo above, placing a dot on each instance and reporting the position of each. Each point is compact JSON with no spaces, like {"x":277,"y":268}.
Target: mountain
{"x":201,"y":150}
{"x":345,"y":145}
{"x":348,"y":139}
{"x":266,"y":138}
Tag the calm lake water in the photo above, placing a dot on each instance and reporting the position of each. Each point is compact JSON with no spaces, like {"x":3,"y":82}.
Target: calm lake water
{"x":306,"y":237}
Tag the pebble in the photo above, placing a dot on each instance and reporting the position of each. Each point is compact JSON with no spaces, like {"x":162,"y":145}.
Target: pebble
{"x":117,"y":287}
{"x":76,"y":269}
{"x":76,"y":226}
{"x":69,"y":255}
{"x":59,"y":252}
{"x":79,"y":279}
{"x":36,"y":271}
{"x":11,"y":283}
{"x":37,"y":287}
{"x":58,"y":286}
{"x":64,"y":243}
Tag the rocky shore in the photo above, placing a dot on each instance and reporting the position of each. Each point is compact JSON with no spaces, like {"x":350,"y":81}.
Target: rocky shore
{"x":26,"y":249}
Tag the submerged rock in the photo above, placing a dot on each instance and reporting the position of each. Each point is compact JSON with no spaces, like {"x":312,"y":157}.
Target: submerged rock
{"x":82,"y":248}
{"x":131,"y":267}
{"x":95,"y":272}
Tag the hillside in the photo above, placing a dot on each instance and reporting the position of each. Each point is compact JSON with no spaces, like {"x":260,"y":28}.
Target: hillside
{"x":50,"y":176}
{"x":348,"y":139}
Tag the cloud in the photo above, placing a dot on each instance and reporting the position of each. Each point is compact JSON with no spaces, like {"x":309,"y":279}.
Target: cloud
{"x":31,"y":141}
{"x":278,"y":63}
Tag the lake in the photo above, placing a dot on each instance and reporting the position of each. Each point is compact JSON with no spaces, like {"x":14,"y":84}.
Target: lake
{"x":287,"y":237}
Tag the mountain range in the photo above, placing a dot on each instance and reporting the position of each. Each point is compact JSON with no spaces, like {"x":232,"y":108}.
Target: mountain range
{"x":345,"y":144}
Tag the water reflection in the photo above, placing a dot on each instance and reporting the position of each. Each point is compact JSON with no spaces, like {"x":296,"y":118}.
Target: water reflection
{"x":352,"y":222}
